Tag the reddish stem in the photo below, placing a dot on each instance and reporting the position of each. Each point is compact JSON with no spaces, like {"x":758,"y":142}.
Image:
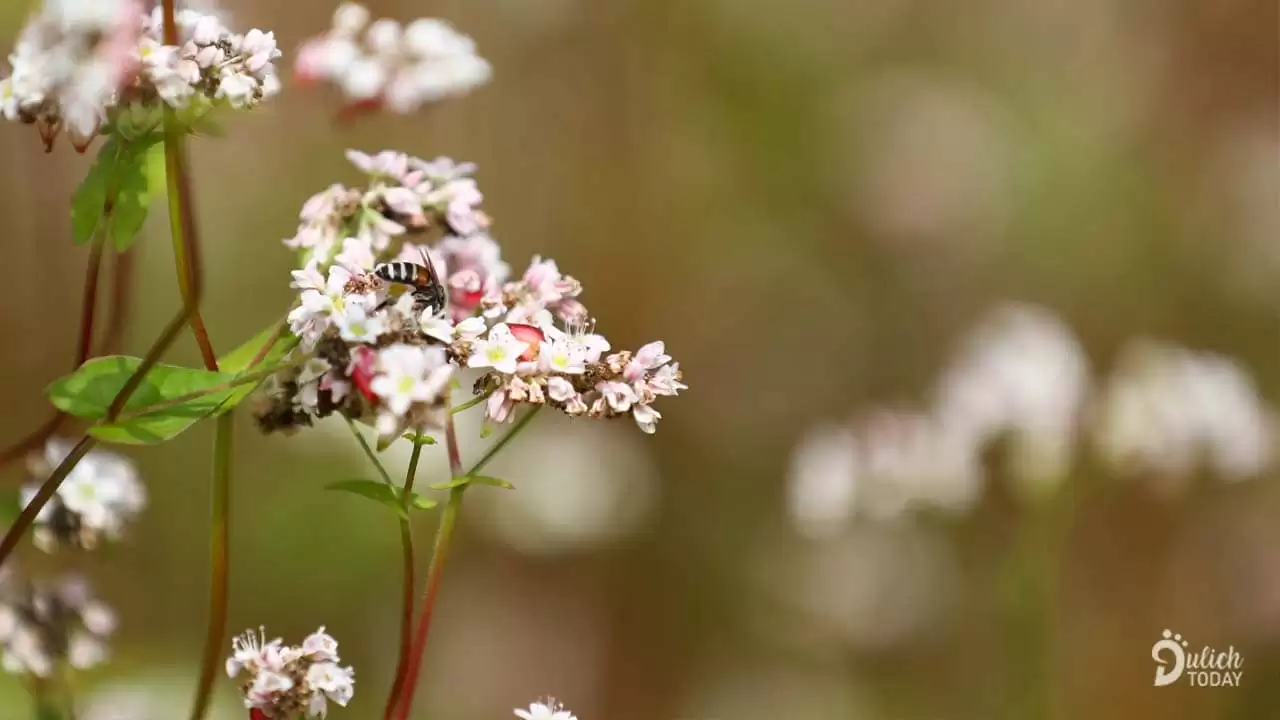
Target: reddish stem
{"x":444,"y":537}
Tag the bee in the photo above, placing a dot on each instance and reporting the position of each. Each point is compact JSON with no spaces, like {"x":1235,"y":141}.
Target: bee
{"x":427,"y":288}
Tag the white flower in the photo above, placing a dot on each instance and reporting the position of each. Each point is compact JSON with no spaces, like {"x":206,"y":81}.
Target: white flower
{"x":646,"y":418}
{"x":620,"y":396}
{"x":546,"y":710}
{"x":273,"y":666}
{"x":334,"y":681}
{"x":409,"y":374}
{"x":559,"y":389}
{"x":320,"y":646}
{"x":236,"y":87}
{"x":500,"y":350}
{"x":562,"y":356}
{"x":355,"y":325}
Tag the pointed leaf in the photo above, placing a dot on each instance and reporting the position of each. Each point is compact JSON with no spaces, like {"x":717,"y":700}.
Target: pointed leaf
{"x":470,"y":479}
{"x":89,"y":203}
{"x":138,"y":177}
{"x":87,"y":393}
{"x":384,"y":494}
{"x":491,"y":482}
{"x":237,"y":362}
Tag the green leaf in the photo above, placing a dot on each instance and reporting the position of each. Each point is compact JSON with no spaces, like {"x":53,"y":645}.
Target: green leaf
{"x":90,"y":200}
{"x":87,"y":393}
{"x":473,"y":479}
{"x":138,"y":176}
{"x":117,"y":191}
{"x":417,"y":439}
{"x":237,"y":363}
{"x":387,"y":495}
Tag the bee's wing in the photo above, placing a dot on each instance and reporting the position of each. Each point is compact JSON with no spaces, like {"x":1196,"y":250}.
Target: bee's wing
{"x":432,"y":277}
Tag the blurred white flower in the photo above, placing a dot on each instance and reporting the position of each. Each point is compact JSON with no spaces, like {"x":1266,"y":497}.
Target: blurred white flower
{"x":99,"y":496}
{"x":1171,"y":412}
{"x":44,"y":625}
{"x":1022,"y":375}
{"x":821,"y":484}
{"x":910,"y":460}
{"x":546,"y":709}
{"x":390,"y":66}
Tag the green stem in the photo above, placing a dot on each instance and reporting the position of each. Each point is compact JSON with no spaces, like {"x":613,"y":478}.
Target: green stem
{"x":1033,"y":584}
{"x":406,"y":600}
{"x":470,"y":403}
{"x":440,"y":552}
{"x":368,"y":451}
{"x":219,"y":564}
{"x":502,"y":441}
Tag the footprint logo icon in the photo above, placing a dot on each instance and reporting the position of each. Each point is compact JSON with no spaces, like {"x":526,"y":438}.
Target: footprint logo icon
{"x":1170,"y":644}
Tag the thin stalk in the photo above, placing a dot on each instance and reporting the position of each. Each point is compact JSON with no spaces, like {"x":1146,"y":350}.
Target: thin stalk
{"x":46,"y":491}
{"x":439,"y":554}
{"x":219,"y":558}
{"x":470,"y":403}
{"x":406,"y":605}
{"x":368,"y":451}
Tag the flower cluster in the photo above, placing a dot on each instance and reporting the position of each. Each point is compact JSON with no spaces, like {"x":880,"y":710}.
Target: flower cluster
{"x":84,"y":65}
{"x":100,"y":495}
{"x":1022,"y":380}
{"x":286,"y":682}
{"x":545,"y":709}
{"x":41,"y":627}
{"x":404,"y":195}
{"x":382,"y":64}
{"x":388,"y":358}
{"x":1170,"y":412}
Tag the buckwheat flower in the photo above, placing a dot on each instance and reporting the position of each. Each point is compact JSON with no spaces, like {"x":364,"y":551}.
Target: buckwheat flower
{"x":98,"y":497}
{"x":546,"y":709}
{"x":282,"y":681}
{"x":562,"y":356}
{"x":1169,"y":412}
{"x":1021,"y":375}
{"x":83,"y":66}
{"x":499,"y":350}
{"x":646,"y":418}
{"x":399,"y":68}
{"x":355,"y":325}
{"x":408,"y":374}
{"x":42,"y":626}
{"x":822,"y":480}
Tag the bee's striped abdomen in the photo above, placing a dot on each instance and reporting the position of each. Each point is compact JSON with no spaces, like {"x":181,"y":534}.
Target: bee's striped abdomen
{"x":402,"y":272}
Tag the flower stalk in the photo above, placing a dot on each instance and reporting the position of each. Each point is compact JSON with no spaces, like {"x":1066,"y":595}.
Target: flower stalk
{"x":440,"y":553}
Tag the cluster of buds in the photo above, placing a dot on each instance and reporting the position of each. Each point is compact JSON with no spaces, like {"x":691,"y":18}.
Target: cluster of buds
{"x":100,"y":495}
{"x":84,"y":65}
{"x":405,"y":194}
{"x":545,"y":709}
{"x":389,"y":361}
{"x":290,"y":682}
{"x":42,"y":628}
{"x":385,"y":65}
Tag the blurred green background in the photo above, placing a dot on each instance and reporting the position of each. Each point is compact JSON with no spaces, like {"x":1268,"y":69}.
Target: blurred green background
{"x":811,"y":202}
